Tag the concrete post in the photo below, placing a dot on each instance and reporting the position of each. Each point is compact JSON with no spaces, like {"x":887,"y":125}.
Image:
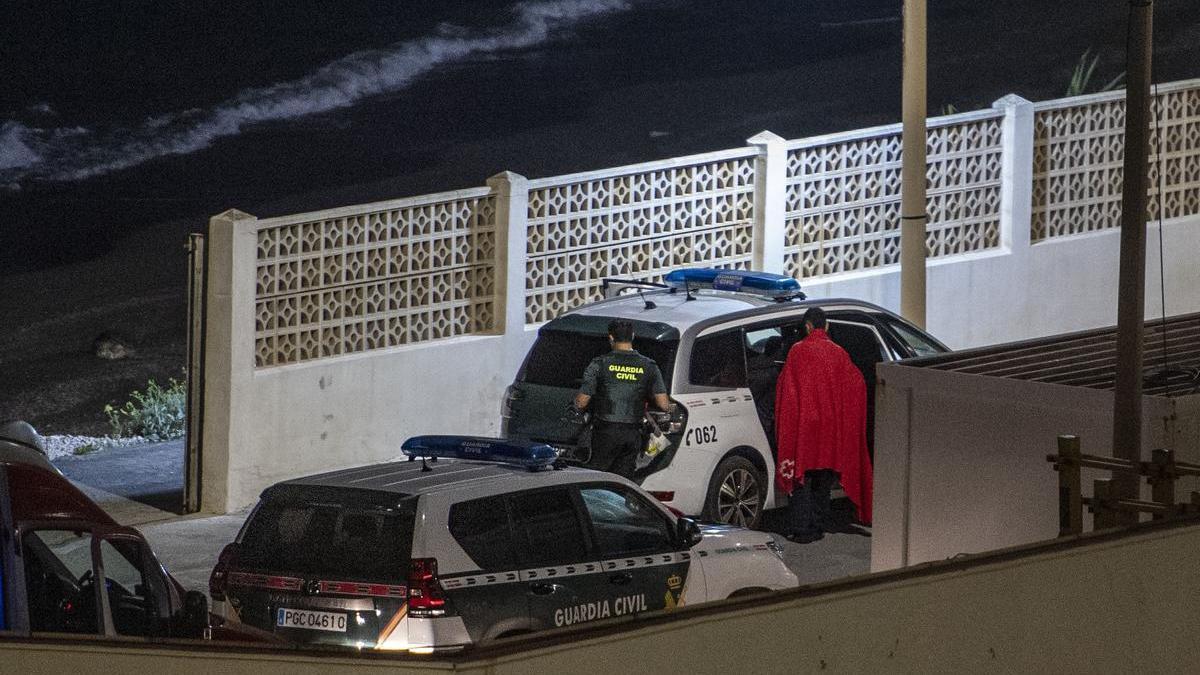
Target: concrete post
{"x":512,"y":207}
{"x":1016,"y":173}
{"x":229,"y":353}
{"x":770,"y":202}
{"x":913,"y":217}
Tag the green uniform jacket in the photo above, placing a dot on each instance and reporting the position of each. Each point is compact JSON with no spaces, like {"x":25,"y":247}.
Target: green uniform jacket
{"x":620,"y":383}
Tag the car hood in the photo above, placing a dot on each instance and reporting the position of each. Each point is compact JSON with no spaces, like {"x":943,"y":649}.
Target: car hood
{"x":721,"y":537}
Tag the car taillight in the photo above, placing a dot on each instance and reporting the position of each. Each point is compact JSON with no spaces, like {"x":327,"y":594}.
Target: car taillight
{"x":219,"y":578}
{"x":678,"y":418}
{"x":425,"y":594}
{"x":663,"y":496}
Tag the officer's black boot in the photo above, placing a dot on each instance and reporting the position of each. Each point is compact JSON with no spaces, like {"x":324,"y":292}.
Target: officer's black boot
{"x":800,"y":508}
{"x":821,"y":482}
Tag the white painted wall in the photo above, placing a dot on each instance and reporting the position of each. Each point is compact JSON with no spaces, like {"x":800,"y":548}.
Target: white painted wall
{"x":960,"y":459}
{"x":297,"y":420}
{"x":358,"y":409}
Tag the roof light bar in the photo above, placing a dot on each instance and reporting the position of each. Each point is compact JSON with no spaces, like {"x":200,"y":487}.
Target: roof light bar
{"x":529,"y":455}
{"x":741,"y":281}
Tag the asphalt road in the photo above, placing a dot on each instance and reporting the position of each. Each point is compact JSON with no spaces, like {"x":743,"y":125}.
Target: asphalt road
{"x":151,"y":474}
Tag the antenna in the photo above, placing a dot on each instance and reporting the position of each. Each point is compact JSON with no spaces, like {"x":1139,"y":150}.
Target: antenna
{"x":649,"y":304}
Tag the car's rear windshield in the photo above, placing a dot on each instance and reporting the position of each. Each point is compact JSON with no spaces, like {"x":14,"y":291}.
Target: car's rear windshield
{"x":558,"y":358}
{"x":330,"y":534}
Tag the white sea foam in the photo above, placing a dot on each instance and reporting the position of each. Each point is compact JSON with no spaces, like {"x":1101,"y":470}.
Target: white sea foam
{"x":72,"y":154}
{"x":15,"y":152}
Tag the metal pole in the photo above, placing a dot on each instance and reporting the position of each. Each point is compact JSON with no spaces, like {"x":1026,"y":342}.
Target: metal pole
{"x":912,"y":174}
{"x":1131,"y":300}
{"x":1070,"y":495}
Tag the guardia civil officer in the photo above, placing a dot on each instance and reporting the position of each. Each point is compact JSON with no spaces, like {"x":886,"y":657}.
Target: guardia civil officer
{"x":617,"y":386}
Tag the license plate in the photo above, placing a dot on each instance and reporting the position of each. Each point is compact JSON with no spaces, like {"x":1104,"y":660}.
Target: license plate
{"x":303,"y":618}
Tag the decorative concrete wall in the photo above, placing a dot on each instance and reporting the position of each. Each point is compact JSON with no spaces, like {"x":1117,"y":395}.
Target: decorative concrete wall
{"x":332,"y":336}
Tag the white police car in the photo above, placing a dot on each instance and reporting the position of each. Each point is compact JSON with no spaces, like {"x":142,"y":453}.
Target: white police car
{"x":720,"y":338}
{"x":486,"y":541}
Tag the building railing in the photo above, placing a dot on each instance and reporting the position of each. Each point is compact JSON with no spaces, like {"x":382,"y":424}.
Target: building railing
{"x":843,"y":195}
{"x":639,"y":221}
{"x":1079,"y":148}
{"x":380,"y":275}
{"x":493,"y":259}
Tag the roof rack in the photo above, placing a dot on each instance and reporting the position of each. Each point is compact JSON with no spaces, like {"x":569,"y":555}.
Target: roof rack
{"x":532,"y":456}
{"x":611,"y":287}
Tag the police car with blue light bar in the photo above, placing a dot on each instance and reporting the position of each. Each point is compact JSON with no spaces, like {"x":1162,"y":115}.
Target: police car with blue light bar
{"x":720,"y":338}
{"x":471,"y":540}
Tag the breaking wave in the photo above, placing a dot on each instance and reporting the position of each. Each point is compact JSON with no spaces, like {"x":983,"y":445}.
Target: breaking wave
{"x":65,"y":154}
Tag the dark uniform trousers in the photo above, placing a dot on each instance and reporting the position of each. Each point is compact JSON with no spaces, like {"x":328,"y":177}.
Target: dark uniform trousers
{"x":809,"y":505}
{"x":615,"y":447}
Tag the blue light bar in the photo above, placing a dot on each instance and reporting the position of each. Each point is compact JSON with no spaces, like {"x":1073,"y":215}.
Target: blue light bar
{"x":517,"y":453}
{"x":742,"y":281}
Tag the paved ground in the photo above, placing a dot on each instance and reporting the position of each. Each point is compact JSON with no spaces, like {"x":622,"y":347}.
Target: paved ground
{"x":151,"y":474}
{"x":142,"y":486}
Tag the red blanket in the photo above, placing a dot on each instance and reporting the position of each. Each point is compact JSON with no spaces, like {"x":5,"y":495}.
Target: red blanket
{"x":821,"y":419}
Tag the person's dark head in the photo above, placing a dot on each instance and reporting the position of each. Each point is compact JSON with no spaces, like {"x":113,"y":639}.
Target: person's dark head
{"x":620,"y":331}
{"x":814,"y":318}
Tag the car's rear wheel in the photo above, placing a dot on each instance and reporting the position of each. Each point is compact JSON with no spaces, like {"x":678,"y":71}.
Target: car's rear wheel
{"x":736,"y":493}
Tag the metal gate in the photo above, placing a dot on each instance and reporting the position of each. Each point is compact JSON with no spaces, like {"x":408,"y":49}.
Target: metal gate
{"x":193,"y":441}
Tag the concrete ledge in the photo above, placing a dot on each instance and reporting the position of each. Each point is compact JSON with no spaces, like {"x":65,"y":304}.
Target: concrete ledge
{"x":1124,"y":599}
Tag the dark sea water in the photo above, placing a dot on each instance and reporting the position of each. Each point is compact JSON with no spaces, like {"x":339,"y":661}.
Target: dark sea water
{"x":118,"y":115}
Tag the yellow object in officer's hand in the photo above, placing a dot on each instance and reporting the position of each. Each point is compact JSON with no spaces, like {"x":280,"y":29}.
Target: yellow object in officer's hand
{"x":656,"y":442}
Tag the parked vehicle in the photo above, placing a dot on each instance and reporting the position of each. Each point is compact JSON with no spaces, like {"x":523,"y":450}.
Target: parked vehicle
{"x":720,"y":338}
{"x":66,"y":567}
{"x":479,"y":540}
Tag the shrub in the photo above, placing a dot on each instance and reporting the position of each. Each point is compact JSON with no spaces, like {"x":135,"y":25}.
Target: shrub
{"x":1081,"y":77}
{"x":157,"y":413}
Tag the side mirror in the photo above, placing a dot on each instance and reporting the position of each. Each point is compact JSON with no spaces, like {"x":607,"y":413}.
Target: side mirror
{"x":195,"y":614}
{"x":687,"y":533}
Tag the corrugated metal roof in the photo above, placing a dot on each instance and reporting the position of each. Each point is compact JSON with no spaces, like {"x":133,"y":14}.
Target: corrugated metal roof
{"x":1089,"y":358}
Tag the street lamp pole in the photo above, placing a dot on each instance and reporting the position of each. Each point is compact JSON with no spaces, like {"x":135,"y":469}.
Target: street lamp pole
{"x":912,"y":175}
{"x":1131,"y":288}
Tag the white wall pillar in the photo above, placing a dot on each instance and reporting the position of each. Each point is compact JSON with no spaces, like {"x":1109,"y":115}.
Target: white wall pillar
{"x":770,"y":201}
{"x":229,"y":353}
{"x":512,"y":206}
{"x":1016,"y":173}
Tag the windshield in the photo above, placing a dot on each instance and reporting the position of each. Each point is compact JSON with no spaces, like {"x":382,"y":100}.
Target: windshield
{"x":558,"y":358}
{"x":337,"y":540}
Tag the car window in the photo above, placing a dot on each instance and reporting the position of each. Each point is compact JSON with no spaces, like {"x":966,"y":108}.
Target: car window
{"x":481,"y":527}
{"x":558,"y":358}
{"x":549,"y":524}
{"x":718,"y":360}
{"x":132,"y":600}
{"x":59,"y":584}
{"x":920,"y":345}
{"x":332,"y":541}
{"x":624,"y":523}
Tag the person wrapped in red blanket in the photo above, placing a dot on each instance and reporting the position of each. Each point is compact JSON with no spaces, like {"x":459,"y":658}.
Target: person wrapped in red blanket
{"x":821,"y":429}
